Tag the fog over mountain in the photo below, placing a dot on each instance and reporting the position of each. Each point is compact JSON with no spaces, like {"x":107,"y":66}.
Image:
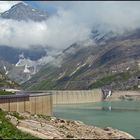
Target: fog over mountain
{"x":70,"y":25}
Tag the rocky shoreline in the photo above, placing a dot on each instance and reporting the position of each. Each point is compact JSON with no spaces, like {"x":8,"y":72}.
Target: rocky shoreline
{"x":53,"y":128}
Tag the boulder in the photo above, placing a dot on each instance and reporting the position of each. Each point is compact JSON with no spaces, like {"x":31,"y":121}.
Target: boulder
{"x":12,"y":119}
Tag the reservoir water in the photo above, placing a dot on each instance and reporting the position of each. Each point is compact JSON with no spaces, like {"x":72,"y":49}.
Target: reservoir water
{"x":122,"y":115}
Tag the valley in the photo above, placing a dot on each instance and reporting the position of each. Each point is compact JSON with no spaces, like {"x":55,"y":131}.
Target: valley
{"x":69,"y":71}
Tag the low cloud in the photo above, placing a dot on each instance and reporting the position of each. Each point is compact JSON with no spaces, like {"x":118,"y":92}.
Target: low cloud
{"x":57,"y":32}
{"x":22,"y":34}
{"x":70,"y":24}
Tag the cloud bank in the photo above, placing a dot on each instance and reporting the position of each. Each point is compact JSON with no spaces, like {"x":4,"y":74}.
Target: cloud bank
{"x":70,"y":24}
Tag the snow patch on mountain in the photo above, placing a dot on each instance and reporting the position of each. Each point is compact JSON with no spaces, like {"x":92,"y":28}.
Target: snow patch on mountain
{"x":6,"y":5}
{"x":61,"y":75}
{"x":28,"y":67}
{"x":26,"y":70}
{"x":6,"y":71}
{"x":79,"y":67}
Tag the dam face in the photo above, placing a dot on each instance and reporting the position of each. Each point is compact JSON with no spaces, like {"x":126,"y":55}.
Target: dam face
{"x":32,"y":103}
{"x":76,"y":96}
{"x":41,"y":102}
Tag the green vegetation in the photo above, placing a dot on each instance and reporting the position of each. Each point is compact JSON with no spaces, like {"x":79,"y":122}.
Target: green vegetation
{"x":135,"y":87}
{"x":45,"y":72}
{"x":109,"y":79}
{"x":9,"y":131}
{"x":2,"y":92}
{"x":6,"y":82}
{"x":50,"y":84}
{"x":118,"y":77}
{"x":46,"y":84}
{"x":44,"y":117}
{"x":17,"y":115}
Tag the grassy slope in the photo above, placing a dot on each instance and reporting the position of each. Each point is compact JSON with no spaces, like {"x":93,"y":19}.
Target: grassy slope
{"x":116,"y":78}
{"x":109,"y":79}
{"x":8,"y":131}
{"x":5,"y":92}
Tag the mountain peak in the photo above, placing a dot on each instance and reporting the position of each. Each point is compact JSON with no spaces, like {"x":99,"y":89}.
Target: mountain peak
{"x":20,"y":4}
{"x":23,"y":11}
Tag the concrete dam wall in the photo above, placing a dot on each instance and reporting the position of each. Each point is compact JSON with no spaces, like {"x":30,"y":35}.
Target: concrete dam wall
{"x":41,"y":102}
{"x":32,"y":103}
{"x":76,"y":96}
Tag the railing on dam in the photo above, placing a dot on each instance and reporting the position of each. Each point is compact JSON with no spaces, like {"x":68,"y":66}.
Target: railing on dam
{"x":31,"y":102}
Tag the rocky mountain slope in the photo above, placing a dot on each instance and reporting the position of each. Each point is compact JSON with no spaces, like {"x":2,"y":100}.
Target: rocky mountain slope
{"x":5,"y":82}
{"x":114,"y":63}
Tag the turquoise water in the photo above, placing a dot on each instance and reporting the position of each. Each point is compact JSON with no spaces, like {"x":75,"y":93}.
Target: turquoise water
{"x":122,"y":115}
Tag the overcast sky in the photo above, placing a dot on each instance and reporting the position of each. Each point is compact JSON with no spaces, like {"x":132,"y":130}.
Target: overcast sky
{"x":72,"y":21}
